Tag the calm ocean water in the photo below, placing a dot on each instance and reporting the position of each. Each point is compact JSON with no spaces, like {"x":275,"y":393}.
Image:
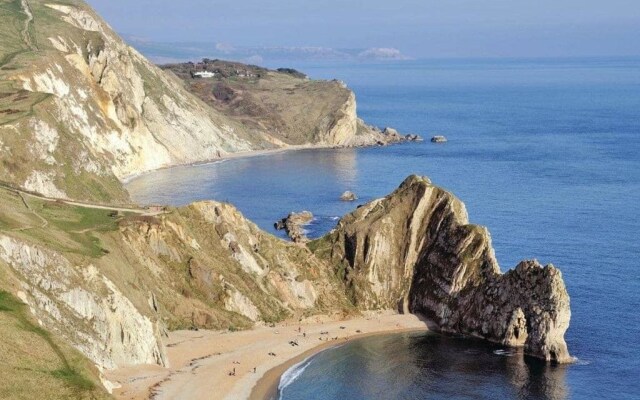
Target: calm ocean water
{"x":546,"y":153}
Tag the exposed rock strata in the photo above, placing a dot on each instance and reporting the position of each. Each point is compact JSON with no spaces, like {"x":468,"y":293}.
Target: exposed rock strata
{"x":83,"y":306}
{"x":202,"y":266}
{"x":415,"y":251}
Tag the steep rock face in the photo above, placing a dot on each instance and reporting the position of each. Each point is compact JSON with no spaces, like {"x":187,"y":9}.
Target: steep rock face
{"x":83,"y":306}
{"x":278,"y":106}
{"x":112,"y":113}
{"x":415,"y":251}
{"x":81,"y":111}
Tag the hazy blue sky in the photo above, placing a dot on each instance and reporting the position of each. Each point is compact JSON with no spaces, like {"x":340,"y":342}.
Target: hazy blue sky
{"x":419,"y":28}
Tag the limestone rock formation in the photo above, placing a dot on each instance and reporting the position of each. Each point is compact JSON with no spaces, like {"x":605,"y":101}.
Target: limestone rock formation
{"x":415,"y":251}
{"x":348,"y":196}
{"x":83,"y":306}
{"x":293,"y":225}
{"x":283,"y":106}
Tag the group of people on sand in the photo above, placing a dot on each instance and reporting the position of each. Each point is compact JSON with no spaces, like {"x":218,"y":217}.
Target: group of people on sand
{"x":233,"y":371}
{"x":329,"y":338}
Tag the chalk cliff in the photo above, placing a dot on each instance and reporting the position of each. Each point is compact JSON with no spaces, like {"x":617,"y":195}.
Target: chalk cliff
{"x":415,"y":251}
{"x":282,"y":107}
{"x":80,"y":110}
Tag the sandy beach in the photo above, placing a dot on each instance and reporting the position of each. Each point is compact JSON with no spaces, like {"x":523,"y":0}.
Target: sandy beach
{"x":202,"y":363}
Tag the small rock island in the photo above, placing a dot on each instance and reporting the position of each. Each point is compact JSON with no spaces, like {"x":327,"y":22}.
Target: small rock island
{"x":439,"y":139}
{"x":293,"y":225}
{"x":348,"y":196}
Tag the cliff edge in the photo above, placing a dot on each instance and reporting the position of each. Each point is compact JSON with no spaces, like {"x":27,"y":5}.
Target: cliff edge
{"x":81,"y":111}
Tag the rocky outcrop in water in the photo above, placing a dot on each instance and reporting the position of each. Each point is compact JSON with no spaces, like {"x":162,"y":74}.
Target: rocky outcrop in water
{"x":348,"y":196}
{"x":293,"y":225}
{"x":415,"y":251}
{"x":439,"y":139}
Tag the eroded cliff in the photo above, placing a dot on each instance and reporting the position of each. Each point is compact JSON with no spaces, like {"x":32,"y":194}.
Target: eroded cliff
{"x":415,"y":251}
{"x":80,"y":110}
{"x":111,"y":283}
{"x":283,"y":106}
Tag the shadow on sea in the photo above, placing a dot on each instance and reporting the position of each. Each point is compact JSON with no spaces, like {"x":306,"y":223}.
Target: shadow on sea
{"x":427,"y":366}
{"x":476,"y":369}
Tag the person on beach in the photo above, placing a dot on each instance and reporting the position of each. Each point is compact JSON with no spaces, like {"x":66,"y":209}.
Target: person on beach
{"x":254,"y":370}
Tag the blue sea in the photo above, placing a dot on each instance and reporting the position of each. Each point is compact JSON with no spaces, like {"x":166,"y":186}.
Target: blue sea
{"x":545,"y":153}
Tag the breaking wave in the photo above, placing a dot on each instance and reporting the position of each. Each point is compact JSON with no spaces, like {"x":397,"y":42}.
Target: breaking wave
{"x":292,"y":374}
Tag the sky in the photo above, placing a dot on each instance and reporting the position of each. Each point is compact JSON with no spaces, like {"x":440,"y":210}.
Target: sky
{"x":418,"y":28}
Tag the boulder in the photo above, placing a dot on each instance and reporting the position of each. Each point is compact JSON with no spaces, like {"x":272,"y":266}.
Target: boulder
{"x":438,"y":139}
{"x":412,"y":137}
{"x":348,"y":196}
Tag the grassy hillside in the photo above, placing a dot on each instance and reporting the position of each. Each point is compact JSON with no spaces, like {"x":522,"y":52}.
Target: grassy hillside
{"x":284,"y":105}
{"x":35,"y":361}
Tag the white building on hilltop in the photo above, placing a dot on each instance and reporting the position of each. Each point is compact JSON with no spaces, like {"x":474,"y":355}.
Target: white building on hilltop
{"x":204,"y":74}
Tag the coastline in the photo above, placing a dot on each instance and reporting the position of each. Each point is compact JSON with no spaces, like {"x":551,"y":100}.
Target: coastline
{"x":231,"y":156}
{"x":256,"y":153}
{"x":267,"y":387}
{"x":202,"y":362}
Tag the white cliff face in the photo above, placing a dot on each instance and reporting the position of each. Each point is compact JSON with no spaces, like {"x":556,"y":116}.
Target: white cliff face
{"x":146,"y":129}
{"x":117,"y":115}
{"x":345,"y":124}
{"x":82,"y":306}
{"x":118,"y":112}
{"x":281,"y":275}
{"x":42,"y":182}
{"x":240,"y":304}
{"x":46,"y":141}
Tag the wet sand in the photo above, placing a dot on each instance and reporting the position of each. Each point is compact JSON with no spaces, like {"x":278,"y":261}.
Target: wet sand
{"x":202,"y":362}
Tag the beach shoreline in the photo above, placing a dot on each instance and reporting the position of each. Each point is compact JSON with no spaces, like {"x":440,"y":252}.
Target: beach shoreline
{"x":267,"y":387}
{"x":254,"y":153}
{"x":232,"y":156}
{"x":247,"y":364}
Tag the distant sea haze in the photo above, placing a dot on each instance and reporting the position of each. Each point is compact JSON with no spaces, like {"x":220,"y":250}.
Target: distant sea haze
{"x":162,"y":53}
{"x":545,"y":153}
